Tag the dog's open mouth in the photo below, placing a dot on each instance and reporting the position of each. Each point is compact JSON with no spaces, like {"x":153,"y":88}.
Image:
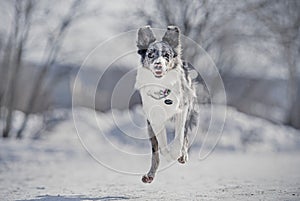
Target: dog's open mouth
{"x":158,"y":73}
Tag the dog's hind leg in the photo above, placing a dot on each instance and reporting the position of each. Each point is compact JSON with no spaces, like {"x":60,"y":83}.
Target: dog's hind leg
{"x":148,"y":178}
{"x":184,"y":151}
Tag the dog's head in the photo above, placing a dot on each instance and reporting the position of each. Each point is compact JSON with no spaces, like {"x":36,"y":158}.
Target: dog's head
{"x":159,"y":56}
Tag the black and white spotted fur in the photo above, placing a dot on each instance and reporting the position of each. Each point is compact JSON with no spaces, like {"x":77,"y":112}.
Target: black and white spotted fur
{"x":167,"y":92}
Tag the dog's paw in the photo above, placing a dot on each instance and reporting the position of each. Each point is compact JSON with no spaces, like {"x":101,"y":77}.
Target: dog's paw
{"x":183,"y":159}
{"x":147,"y":179}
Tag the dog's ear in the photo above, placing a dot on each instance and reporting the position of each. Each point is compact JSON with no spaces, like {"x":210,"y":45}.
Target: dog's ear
{"x":145,"y":38}
{"x":172,"y":37}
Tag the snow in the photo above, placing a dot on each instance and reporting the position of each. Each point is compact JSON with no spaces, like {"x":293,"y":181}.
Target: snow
{"x":254,"y":160}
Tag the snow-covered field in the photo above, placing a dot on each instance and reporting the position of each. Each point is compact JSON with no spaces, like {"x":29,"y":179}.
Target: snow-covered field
{"x":254,"y":160}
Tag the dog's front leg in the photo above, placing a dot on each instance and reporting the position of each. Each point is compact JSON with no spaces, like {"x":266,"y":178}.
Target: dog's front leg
{"x":178,"y":143}
{"x":148,"y":178}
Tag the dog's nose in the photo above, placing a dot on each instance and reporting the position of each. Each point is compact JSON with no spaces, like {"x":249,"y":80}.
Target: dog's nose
{"x":157,"y":65}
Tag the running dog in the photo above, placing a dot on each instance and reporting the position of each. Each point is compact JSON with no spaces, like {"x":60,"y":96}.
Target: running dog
{"x":167,"y":92}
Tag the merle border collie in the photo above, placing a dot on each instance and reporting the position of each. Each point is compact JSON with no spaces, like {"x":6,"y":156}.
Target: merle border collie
{"x":168,"y":93}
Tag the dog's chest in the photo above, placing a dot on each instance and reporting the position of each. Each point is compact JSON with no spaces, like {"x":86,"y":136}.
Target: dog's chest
{"x":160,"y":96}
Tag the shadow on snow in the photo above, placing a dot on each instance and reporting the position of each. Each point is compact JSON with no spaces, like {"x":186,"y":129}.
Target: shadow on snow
{"x":75,"y":198}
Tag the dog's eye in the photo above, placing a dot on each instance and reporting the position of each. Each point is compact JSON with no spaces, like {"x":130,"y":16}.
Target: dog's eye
{"x":150,"y":54}
{"x":166,"y":55}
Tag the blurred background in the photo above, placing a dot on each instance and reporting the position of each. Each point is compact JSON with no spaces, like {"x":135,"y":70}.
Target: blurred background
{"x":51,"y":51}
{"x":255,"y":46}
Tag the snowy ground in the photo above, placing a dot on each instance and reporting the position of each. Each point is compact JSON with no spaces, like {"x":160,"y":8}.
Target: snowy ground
{"x":57,"y":167}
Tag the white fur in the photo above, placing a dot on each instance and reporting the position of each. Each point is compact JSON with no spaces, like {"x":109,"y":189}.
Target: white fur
{"x":157,"y":112}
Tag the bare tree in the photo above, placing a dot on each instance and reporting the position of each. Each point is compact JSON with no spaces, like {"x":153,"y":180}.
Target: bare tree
{"x":52,"y":50}
{"x":4,"y":69}
{"x":16,"y":45}
{"x":13,"y":56}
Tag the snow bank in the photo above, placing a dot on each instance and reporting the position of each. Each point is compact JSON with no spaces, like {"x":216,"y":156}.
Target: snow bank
{"x":126,"y":132}
{"x":241,"y":132}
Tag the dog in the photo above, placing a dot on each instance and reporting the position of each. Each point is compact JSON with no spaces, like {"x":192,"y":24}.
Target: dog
{"x":167,"y":92}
